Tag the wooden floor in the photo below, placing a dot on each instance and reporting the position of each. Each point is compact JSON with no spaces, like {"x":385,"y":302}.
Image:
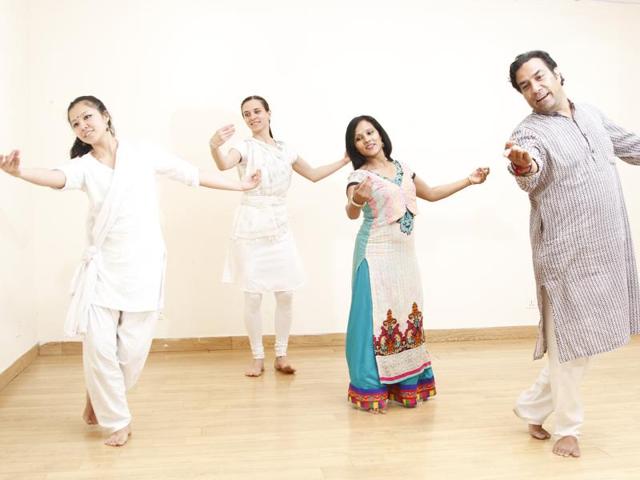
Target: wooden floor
{"x":197,"y":417}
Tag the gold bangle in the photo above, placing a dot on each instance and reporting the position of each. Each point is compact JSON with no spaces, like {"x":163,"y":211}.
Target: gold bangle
{"x":353,"y":202}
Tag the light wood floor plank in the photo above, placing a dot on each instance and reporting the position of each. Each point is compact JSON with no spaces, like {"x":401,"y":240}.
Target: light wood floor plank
{"x":197,"y":417}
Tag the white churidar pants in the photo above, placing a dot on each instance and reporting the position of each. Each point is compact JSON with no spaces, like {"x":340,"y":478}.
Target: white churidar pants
{"x":253,"y":322}
{"x":557,"y":389}
{"x":114,"y":351}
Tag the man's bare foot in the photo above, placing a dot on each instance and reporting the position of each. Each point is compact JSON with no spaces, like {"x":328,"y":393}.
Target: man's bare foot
{"x":89,"y":416}
{"x":567,"y":447}
{"x":282,"y":365}
{"x":539,"y":433}
{"x":119,"y":437}
{"x":256,"y":368}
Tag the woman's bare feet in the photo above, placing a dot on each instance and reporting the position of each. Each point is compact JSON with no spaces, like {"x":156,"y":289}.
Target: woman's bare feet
{"x":282,"y":365}
{"x":567,"y":447}
{"x":377,"y":411}
{"x":539,"y":433}
{"x":256,"y":368}
{"x":119,"y":437}
{"x":89,"y":415}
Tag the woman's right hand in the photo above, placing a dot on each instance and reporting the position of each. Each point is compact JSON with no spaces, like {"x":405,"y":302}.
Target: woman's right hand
{"x":252,"y":182}
{"x":11,"y":163}
{"x":222,"y":135}
{"x":362,"y":192}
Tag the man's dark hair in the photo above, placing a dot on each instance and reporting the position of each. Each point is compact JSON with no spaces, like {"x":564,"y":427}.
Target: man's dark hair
{"x":524,"y":58}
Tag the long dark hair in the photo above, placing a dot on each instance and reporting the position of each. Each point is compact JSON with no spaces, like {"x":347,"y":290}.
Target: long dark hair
{"x":357,"y":160}
{"x":264,"y":104}
{"x":80,"y":148}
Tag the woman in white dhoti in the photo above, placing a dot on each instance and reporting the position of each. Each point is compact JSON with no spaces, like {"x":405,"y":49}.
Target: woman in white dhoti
{"x":117,"y":291}
{"x":263,"y":256}
{"x":385,"y":347}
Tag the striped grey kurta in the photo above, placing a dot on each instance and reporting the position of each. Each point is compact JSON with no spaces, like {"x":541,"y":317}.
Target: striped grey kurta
{"x":580,"y":237}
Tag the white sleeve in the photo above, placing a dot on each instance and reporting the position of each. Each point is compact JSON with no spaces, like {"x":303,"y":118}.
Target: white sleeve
{"x":242,"y":149}
{"x":172,"y":166}
{"x":291,"y":154}
{"x":74,"y":172}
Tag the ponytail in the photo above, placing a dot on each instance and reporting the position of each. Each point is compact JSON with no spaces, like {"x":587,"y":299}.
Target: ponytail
{"x":79,"y":148}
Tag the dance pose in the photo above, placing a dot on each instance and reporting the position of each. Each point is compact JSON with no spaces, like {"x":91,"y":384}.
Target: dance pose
{"x":564,"y":156}
{"x":118,"y":288}
{"x":386,"y":351}
{"x":263,"y":257}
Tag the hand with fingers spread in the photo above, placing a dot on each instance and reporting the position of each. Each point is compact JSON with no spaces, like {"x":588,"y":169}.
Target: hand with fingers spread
{"x":222,"y":135}
{"x":223,"y":161}
{"x":11,"y":163}
{"x":361,"y":193}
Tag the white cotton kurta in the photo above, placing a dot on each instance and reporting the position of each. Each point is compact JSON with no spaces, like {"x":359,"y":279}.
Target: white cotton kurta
{"x":130,"y":259}
{"x":263,"y":256}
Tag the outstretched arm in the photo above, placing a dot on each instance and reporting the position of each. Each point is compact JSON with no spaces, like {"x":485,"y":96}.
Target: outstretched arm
{"x":318,"y":173}
{"x":232,"y":158}
{"x":626,"y":144}
{"x":527,"y":158}
{"x":433,"y":194}
{"x":211,"y":179}
{"x":38,"y":176}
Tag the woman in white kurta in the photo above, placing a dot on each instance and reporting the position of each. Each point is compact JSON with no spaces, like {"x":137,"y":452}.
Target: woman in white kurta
{"x":117,"y":291}
{"x":263,"y":256}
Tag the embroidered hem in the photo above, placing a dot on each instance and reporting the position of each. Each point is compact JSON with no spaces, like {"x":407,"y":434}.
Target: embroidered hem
{"x":368,"y":399}
{"x":408,"y":396}
{"x":378,"y":398}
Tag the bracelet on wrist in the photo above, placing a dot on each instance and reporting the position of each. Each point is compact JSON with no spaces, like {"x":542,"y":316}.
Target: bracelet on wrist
{"x":356,"y":204}
{"x":519,"y":171}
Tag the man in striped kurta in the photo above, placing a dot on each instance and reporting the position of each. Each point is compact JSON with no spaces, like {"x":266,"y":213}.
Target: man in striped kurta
{"x":564,"y":156}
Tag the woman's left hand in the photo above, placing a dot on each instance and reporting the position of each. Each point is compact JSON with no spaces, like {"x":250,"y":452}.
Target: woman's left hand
{"x":479,"y":175}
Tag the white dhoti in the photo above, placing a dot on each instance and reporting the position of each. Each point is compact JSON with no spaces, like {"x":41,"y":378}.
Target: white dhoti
{"x":114,"y":350}
{"x":557,"y":389}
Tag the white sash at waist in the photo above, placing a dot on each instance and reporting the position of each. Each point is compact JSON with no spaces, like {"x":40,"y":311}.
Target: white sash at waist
{"x":83,"y":287}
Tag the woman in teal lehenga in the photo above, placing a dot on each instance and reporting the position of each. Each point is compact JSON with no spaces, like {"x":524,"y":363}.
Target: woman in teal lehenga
{"x":385,"y":350}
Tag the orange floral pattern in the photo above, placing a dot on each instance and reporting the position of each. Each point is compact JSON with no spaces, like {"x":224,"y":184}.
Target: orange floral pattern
{"x":392,"y":341}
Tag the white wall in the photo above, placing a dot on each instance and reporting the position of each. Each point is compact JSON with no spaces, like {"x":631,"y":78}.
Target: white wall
{"x":17,"y":303}
{"x":434,"y":74}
